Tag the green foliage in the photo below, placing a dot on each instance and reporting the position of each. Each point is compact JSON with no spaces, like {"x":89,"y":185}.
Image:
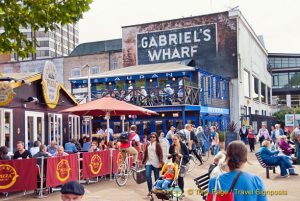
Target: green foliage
{"x":221,"y":136}
{"x":280,"y":115}
{"x":34,"y":14}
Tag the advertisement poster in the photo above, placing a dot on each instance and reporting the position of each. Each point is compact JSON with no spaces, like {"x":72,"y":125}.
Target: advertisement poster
{"x":289,"y":120}
{"x":254,"y":124}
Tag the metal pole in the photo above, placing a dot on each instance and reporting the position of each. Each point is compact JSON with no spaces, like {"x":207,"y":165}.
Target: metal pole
{"x":78,"y":155}
{"x":107,"y":125}
{"x":42,"y":176}
{"x":89,"y":83}
{"x":123,"y":119}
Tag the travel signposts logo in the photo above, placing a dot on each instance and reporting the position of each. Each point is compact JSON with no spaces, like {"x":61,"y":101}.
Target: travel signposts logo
{"x":96,"y":164}
{"x":8,"y":176}
{"x":63,"y":170}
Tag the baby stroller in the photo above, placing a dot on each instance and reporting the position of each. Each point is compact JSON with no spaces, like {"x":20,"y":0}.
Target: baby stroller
{"x":173,"y":192}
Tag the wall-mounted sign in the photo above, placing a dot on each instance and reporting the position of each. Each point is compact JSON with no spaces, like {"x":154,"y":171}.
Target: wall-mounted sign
{"x":50,"y":85}
{"x":6,"y":93}
{"x":176,"y":44}
{"x":214,"y":110}
{"x":289,"y":119}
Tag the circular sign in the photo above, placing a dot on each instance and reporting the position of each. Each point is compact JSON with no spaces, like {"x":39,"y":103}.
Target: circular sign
{"x":50,"y":84}
{"x":95,"y":164}
{"x":6,"y":93}
{"x":63,"y":170}
{"x":8,"y":176}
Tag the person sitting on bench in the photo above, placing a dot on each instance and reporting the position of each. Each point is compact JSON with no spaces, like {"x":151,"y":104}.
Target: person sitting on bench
{"x":272,"y":158}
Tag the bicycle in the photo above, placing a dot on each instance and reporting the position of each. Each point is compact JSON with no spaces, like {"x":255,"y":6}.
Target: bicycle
{"x":124,"y":171}
{"x":191,"y":164}
{"x":204,"y":154}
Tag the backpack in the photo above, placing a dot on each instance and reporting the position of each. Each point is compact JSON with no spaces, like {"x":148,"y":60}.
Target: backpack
{"x":182,"y":135}
{"x":124,"y":137}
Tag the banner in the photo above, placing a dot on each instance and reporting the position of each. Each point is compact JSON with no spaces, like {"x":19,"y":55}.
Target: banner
{"x":117,"y":159}
{"x":61,"y":170}
{"x":18,"y":175}
{"x":95,"y":164}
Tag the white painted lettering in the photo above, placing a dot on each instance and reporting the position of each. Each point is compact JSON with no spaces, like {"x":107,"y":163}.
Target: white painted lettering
{"x":193,"y":49}
{"x":153,"y":42}
{"x":175,"y":54}
{"x":196,"y":39}
{"x":154,"y":76}
{"x":117,"y":79}
{"x":172,"y":39}
{"x":185,"y":51}
{"x":180,"y":38}
{"x":163,"y":40}
{"x":187,"y":37}
{"x":206,"y":33}
{"x":166,"y":53}
{"x":142,"y":77}
{"x":144,"y":42}
{"x":169,"y":74}
{"x":155,"y":55}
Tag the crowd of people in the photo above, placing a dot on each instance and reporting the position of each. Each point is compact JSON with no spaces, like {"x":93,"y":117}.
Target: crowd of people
{"x":277,"y":147}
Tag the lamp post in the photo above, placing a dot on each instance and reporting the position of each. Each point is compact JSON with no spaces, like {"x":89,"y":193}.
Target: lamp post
{"x":89,"y":81}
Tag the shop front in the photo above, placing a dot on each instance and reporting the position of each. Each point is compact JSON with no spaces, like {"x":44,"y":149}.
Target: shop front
{"x":30,"y":105}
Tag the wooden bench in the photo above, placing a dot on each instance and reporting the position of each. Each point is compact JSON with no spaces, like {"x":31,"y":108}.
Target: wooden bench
{"x":202,"y":184}
{"x":268,"y":167}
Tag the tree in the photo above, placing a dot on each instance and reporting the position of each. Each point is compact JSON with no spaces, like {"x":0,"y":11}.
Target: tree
{"x":280,"y":115}
{"x":34,"y":14}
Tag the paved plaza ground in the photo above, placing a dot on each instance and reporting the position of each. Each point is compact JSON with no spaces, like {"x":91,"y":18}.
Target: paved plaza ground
{"x":109,"y":191}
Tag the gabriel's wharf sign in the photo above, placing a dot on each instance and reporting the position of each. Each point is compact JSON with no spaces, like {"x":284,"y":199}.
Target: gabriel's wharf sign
{"x":176,"y":44}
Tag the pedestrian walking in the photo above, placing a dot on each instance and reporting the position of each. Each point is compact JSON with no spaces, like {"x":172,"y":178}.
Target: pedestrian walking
{"x":243,"y":133}
{"x":153,"y":160}
{"x":251,"y":139}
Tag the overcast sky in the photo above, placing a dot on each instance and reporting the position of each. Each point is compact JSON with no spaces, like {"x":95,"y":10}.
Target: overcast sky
{"x":277,"y":20}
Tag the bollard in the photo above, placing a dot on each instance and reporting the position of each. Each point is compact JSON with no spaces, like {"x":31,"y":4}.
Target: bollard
{"x":111,"y":164}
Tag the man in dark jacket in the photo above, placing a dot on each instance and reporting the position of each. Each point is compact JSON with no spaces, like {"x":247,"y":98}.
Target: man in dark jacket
{"x":244,"y":133}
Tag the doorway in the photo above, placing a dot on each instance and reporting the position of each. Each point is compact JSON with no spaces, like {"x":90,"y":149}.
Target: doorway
{"x":6,"y":129}
{"x":34,"y":128}
{"x":55,"y":128}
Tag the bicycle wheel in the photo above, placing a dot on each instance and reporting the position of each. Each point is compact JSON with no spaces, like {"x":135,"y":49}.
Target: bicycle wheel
{"x":122,"y":174}
{"x":191,"y":164}
{"x":204,"y":155}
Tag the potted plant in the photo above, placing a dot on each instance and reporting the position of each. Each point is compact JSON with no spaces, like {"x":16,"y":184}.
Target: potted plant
{"x":222,"y":139}
{"x":231,"y":133}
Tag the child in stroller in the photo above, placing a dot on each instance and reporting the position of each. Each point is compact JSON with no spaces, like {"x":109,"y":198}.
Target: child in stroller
{"x":168,"y":173}
{"x":166,"y":187}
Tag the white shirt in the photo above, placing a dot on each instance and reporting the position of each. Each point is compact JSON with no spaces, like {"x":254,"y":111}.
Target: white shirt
{"x":152,"y":157}
{"x":100,"y":132}
{"x":170,"y":134}
{"x":110,"y":131}
{"x":144,"y":92}
{"x":34,"y":150}
{"x":165,"y":147}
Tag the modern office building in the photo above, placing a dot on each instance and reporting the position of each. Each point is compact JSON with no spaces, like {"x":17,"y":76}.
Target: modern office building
{"x":51,"y":44}
{"x":286,"y":79}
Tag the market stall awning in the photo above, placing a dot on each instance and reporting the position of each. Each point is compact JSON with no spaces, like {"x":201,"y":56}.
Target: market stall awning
{"x":108,"y":105}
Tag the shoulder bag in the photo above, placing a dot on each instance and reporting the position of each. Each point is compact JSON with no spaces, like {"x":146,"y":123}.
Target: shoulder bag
{"x":219,"y":195}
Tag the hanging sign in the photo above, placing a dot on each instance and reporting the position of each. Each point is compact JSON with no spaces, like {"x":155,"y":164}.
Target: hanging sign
{"x":50,"y":84}
{"x":6,"y":93}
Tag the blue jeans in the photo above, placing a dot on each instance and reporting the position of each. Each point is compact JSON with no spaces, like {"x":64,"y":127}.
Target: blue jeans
{"x":297,"y":151}
{"x":149,"y":169}
{"x":244,"y":139}
{"x":284,"y":164}
{"x":215,"y":149}
{"x":163,"y":184}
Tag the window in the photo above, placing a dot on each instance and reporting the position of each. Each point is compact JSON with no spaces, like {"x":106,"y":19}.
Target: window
{"x":95,"y":69}
{"x":246,"y":83}
{"x":115,"y":65}
{"x":294,"y":79}
{"x":255,"y":89}
{"x":75,"y":72}
{"x":43,"y":43}
{"x":257,"y":112}
{"x":42,"y":53}
{"x":269,"y":95}
{"x":263,"y":92}
{"x":8,"y":70}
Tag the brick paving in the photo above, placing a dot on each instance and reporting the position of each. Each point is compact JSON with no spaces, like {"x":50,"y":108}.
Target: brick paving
{"x":107,"y":190}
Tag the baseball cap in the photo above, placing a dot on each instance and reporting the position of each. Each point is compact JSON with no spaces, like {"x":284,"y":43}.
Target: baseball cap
{"x":72,"y":187}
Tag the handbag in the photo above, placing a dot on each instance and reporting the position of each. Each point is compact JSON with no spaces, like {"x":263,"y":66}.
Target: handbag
{"x":141,"y":176}
{"x":219,"y":195}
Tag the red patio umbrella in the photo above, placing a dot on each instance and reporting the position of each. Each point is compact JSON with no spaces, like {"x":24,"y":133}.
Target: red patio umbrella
{"x":108,"y":106}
